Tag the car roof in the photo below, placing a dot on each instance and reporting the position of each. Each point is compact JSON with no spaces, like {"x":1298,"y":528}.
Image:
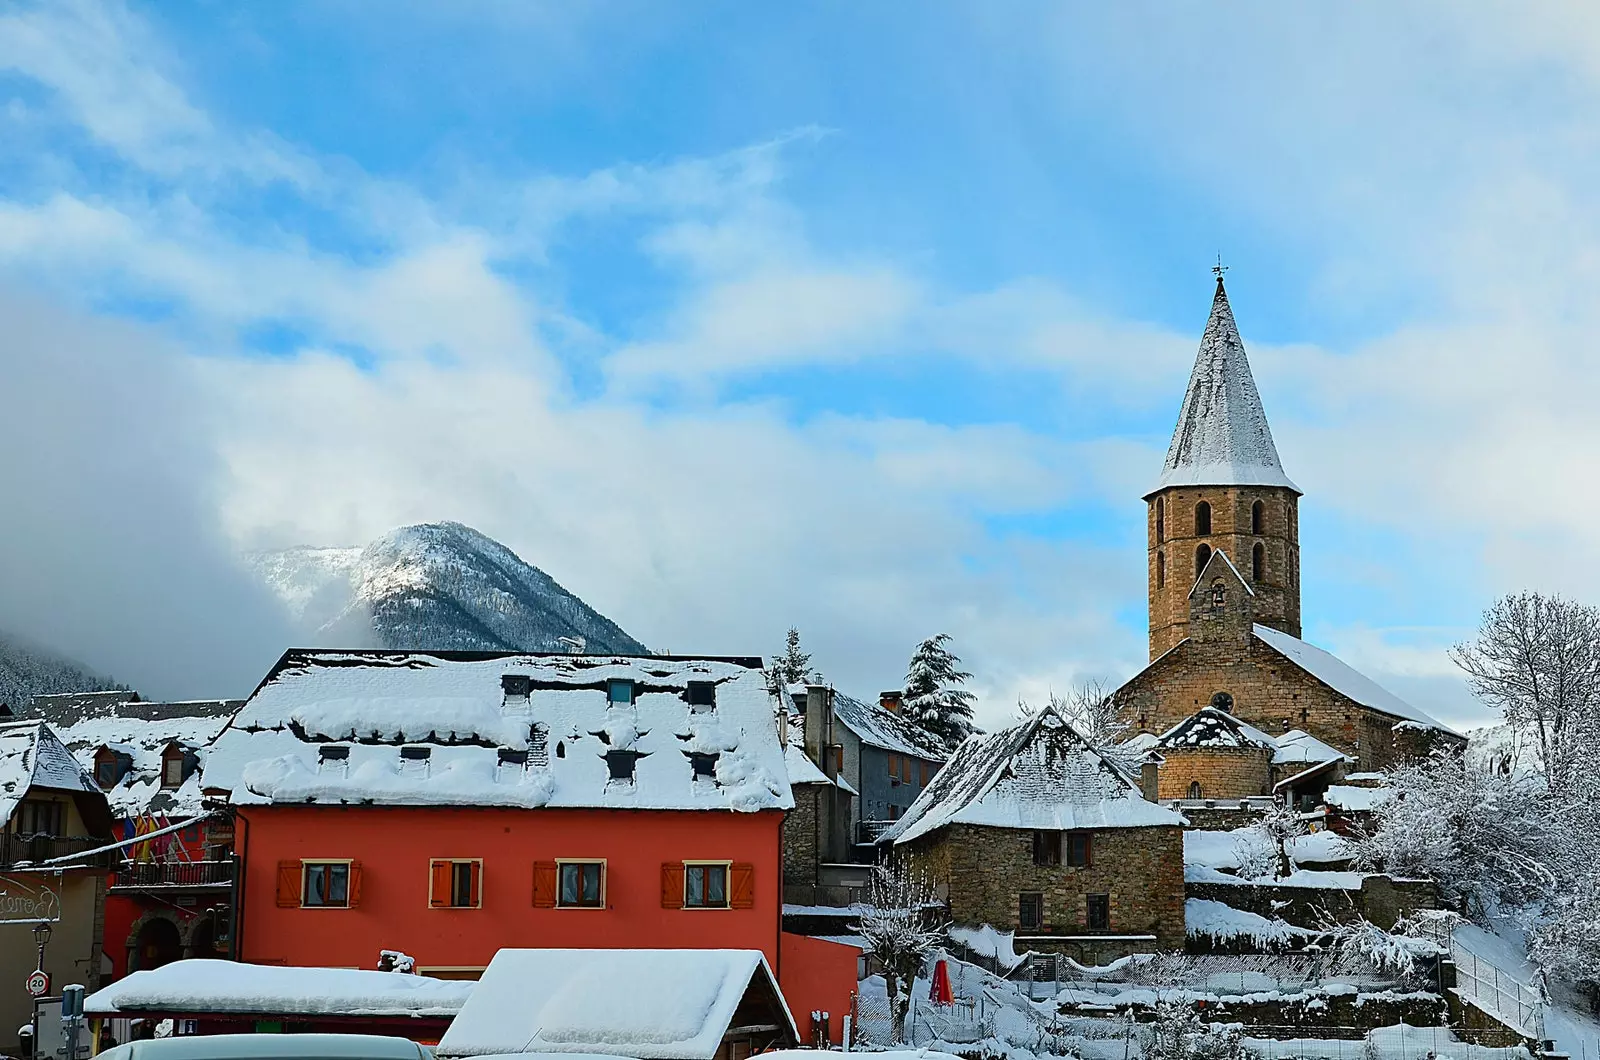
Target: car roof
{"x":270,"y":1047}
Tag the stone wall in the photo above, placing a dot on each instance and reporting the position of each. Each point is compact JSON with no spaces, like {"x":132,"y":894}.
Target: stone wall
{"x":1171,"y":555}
{"x":1222,"y":772}
{"x":800,"y":852}
{"x":1379,"y":899}
{"x":982,"y":872}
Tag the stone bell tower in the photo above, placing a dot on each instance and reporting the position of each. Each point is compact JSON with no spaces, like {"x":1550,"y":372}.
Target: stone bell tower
{"x":1222,"y":489}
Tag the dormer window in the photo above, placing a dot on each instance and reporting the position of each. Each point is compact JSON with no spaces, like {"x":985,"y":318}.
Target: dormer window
{"x":702,"y":696}
{"x":620,"y":765}
{"x":414,"y":760}
{"x":516,"y":685}
{"x":110,"y":767}
{"x":334,"y":758}
{"x":704,"y":766}
{"x":620,"y":692}
{"x":511,"y":762}
{"x":172,"y":772}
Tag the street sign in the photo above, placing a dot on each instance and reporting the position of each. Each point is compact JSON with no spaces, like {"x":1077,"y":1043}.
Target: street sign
{"x":38,"y":983}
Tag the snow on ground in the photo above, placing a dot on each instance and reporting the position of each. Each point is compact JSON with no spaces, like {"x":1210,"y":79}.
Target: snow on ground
{"x":1225,"y":850}
{"x":1220,"y":921}
{"x":1353,"y":799}
{"x":1323,"y":846}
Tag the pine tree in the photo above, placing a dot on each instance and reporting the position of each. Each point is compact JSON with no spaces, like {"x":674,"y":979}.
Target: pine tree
{"x":790,"y":666}
{"x":932,"y":698}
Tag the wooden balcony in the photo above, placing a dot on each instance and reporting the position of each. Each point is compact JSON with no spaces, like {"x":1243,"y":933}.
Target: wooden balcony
{"x":17,"y":850}
{"x":174,"y":875}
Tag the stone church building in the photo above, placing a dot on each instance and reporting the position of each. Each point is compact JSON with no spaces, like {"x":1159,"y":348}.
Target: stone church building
{"x":1224,"y":585}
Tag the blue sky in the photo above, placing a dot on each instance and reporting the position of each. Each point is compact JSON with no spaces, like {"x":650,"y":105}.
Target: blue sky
{"x":733,"y":316}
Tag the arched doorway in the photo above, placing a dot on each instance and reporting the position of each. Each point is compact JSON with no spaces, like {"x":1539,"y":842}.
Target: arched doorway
{"x":157,"y":943}
{"x":203,"y":939}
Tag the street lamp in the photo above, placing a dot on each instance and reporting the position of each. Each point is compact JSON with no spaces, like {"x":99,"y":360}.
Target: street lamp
{"x":41,"y":935}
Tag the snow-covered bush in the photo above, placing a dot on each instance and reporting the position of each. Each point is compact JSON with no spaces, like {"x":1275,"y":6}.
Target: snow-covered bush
{"x":1364,"y":948}
{"x":1178,"y":1033}
{"x":395,"y":961}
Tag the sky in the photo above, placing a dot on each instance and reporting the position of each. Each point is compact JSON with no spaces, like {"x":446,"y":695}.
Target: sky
{"x":872,"y":320}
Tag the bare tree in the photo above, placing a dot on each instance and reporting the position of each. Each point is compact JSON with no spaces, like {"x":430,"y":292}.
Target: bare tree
{"x":901,"y":926}
{"x":1537,"y":659}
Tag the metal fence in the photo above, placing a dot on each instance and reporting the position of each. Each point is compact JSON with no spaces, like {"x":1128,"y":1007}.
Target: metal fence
{"x":141,"y":875}
{"x":1497,"y":991}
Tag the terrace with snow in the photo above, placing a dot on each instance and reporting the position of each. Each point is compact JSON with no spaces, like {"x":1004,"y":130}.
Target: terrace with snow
{"x":405,"y":728}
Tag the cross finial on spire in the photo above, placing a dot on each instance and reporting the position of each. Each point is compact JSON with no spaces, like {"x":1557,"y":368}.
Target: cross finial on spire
{"x":1219,"y":268}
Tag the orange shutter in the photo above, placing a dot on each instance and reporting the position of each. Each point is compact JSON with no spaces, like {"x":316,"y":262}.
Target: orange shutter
{"x":742,"y":885}
{"x":475,"y":885}
{"x":355,"y":884}
{"x":288,"y":884}
{"x":1088,"y":850}
{"x":439,"y":887}
{"x":672,"y":885}
{"x":544,"y":884}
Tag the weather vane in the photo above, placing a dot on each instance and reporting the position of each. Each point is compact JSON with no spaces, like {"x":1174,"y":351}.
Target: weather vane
{"x":1219,"y":268}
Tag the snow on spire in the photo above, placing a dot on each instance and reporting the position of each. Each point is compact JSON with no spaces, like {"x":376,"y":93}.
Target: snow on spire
{"x":1222,"y":437}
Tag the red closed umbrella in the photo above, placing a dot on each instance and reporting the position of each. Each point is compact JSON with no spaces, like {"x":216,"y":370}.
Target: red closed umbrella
{"x":940,"y":993}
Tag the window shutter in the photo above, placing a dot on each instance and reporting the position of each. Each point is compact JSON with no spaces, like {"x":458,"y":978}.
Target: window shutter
{"x":288,"y":884}
{"x":475,"y":885}
{"x":439,"y":887}
{"x":355,"y":884}
{"x":544,"y":885}
{"x":742,"y":885}
{"x":1088,"y":850}
{"x":672,"y":885}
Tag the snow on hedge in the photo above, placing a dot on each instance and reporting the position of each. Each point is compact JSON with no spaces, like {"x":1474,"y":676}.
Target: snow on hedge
{"x":206,"y":986}
{"x":1221,"y":921}
{"x":441,"y":728}
{"x":566,"y":1001}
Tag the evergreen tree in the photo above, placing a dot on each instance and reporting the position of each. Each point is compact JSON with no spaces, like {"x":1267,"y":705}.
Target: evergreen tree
{"x":932,"y":696}
{"x":790,"y":666}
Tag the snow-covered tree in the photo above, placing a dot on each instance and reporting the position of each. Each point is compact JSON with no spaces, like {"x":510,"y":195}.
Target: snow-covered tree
{"x":933,"y":696}
{"x":789,"y":666}
{"x":900,"y":927}
{"x":1537,"y":659}
{"x":1361,"y":947}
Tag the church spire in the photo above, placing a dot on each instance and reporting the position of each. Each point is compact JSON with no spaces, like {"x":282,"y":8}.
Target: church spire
{"x":1222,"y":437}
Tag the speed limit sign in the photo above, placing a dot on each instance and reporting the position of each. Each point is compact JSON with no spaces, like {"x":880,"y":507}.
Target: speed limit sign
{"x":38,"y":983}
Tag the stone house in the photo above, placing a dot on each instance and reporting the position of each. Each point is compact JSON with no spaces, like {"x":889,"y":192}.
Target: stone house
{"x":1212,"y":756}
{"x":1223,"y":573}
{"x":1032,"y":830}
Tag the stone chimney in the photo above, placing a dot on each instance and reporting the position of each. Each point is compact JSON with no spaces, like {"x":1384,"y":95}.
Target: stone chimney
{"x":1150,"y":781}
{"x":890,"y":700}
{"x":819,"y":717}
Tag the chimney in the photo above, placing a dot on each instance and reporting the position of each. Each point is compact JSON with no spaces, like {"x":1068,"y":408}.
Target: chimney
{"x":890,"y":700}
{"x":817,"y":721}
{"x":1150,"y":780}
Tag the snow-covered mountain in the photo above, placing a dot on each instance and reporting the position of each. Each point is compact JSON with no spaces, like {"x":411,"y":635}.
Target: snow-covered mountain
{"x":435,"y":585}
{"x":27,"y":671}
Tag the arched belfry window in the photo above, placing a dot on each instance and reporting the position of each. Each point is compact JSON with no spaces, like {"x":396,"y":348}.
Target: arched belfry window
{"x":1161,"y":519}
{"x":1161,"y":570}
{"x":1195,"y":790}
{"x":1258,"y":562}
{"x":1202,"y":556}
{"x":1257,"y":514}
{"x":1202,"y":519}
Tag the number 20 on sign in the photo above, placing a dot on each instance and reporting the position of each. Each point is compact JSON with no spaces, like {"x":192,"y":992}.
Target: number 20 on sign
{"x":38,"y":983}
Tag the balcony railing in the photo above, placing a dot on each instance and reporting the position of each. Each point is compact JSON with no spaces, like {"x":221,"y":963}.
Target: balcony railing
{"x":174,"y":874}
{"x":15,"y":849}
{"x":871,"y":831}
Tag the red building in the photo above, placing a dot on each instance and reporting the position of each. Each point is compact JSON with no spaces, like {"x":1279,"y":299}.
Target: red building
{"x":452,"y":804}
{"x":171,"y":894}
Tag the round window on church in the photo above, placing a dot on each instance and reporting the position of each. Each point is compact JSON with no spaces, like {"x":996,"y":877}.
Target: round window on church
{"x":1223,"y":701}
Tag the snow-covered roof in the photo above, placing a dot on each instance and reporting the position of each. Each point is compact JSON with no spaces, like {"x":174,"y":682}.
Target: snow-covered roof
{"x":142,"y":740}
{"x":1297,"y":745}
{"x":678,"y":1006}
{"x":887,"y":730}
{"x":1210,"y":727}
{"x":802,"y":770}
{"x":227,"y":987}
{"x":32,"y":756}
{"x":1219,"y":557}
{"x":504,"y":729}
{"x":1344,"y":678}
{"x":1040,"y":773}
{"x":1222,"y":437}
{"x":1352,"y":799}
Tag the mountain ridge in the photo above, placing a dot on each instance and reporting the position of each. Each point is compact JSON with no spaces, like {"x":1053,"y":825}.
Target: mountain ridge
{"x":434,"y":586}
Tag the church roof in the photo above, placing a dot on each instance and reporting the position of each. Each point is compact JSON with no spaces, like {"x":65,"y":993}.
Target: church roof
{"x":1210,"y":727}
{"x":1222,"y":437}
{"x":1346,"y":679}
